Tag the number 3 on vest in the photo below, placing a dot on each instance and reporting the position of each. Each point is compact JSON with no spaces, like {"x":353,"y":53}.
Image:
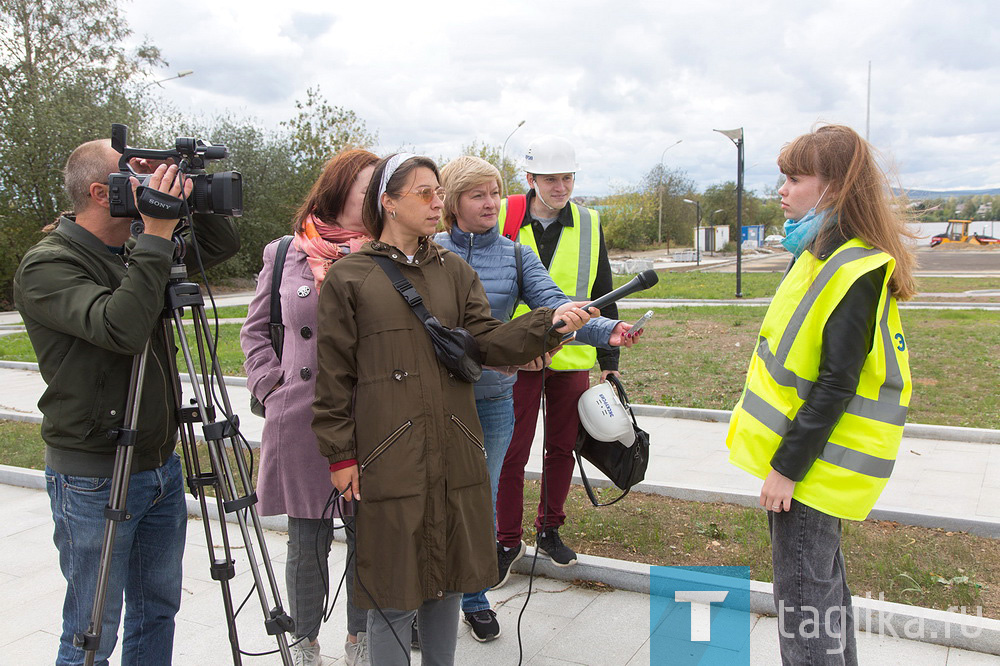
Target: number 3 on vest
{"x":901,"y":342}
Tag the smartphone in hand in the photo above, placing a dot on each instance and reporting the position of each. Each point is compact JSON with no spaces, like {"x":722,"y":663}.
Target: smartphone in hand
{"x":637,"y":326}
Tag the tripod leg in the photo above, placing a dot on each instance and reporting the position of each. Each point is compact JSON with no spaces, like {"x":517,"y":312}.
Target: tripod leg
{"x":230,"y":496}
{"x":222,"y":569}
{"x":278,"y":622}
{"x":115,"y":512}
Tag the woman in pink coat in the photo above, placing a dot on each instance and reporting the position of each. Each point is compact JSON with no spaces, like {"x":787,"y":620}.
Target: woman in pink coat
{"x":294,"y":478}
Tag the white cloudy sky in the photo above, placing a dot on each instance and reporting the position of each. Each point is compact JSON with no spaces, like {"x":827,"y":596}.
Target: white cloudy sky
{"x":622,"y":80}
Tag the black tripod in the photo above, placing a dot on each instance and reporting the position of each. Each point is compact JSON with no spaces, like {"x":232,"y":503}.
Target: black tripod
{"x":234,"y":493}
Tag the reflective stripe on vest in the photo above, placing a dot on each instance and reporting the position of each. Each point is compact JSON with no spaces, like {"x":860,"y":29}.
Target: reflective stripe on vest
{"x":855,"y":463}
{"x":574,"y":269}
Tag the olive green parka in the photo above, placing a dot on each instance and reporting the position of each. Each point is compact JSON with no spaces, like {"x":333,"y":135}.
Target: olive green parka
{"x":424,"y":522}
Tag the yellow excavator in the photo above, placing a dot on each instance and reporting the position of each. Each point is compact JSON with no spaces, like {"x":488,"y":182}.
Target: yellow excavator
{"x":958,"y":232}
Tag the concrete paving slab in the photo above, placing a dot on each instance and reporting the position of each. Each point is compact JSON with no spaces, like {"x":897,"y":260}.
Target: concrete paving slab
{"x":965,"y":658}
{"x":606,"y":631}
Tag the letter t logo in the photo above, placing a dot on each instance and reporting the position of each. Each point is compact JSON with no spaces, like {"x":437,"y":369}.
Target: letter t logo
{"x":701,"y":610}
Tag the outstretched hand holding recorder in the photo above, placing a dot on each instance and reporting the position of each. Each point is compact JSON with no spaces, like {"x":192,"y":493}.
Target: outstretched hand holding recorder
{"x":640,"y":282}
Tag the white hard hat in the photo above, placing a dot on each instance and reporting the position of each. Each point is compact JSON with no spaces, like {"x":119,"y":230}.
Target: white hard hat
{"x":550,"y":154}
{"x":604,"y":416}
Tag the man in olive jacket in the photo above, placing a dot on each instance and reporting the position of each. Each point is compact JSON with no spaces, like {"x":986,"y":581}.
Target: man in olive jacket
{"x":89,"y":305}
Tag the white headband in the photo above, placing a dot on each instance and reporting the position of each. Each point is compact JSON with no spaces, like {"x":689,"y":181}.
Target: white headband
{"x":390,"y":168}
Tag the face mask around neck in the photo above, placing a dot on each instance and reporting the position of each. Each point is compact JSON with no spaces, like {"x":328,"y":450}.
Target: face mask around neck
{"x":799,"y":234}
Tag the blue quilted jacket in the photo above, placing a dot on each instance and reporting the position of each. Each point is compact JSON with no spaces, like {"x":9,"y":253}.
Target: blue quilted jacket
{"x":492,"y":256}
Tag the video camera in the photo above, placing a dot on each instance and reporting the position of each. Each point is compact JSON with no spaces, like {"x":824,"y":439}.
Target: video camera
{"x":220,"y":193}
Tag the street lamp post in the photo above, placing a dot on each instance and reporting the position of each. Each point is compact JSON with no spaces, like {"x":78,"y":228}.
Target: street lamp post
{"x":179,"y":75}
{"x":736,"y":136}
{"x":659,"y":225}
{"x":697,"y":229}
{"x":503,"y":151}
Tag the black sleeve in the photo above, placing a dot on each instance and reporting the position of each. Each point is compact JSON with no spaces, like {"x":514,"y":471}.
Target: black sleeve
{"x":216,"y":237}
{"x":607,"y":359}
{"x":847,"y":340}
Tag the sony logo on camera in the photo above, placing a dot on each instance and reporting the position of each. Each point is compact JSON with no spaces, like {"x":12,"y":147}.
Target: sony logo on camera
{"x":220,"y":192}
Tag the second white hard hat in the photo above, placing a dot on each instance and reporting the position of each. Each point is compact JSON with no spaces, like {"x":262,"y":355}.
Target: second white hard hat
{"x":550,"y":154}
{"x":603,"y":415}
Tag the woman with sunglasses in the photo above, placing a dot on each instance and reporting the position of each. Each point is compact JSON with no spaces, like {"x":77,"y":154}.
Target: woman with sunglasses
{"x":471,"y":208}
{"x":293,"y":479}
{"x":401,"y":431}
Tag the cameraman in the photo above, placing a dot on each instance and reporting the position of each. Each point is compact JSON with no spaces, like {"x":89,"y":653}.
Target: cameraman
{"x":89,"y":305}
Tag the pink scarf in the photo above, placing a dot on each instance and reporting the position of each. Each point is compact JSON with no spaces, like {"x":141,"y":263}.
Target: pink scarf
{"x":324,"y":243}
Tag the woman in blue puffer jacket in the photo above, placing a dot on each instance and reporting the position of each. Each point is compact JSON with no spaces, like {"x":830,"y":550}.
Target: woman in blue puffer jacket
{"x":471,"y":207}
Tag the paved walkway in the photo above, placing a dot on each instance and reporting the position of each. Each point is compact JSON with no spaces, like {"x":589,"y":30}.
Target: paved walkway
{"x":563,"y":624}
{"x":948,"y":479}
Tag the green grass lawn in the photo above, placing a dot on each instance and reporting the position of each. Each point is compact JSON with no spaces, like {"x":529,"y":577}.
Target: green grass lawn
{"x":706,"y":285}
{"x":697,"y":357}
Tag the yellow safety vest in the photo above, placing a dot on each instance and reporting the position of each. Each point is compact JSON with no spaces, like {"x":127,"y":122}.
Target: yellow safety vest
{"x":574,"y":269}
{"x":854,"y":466}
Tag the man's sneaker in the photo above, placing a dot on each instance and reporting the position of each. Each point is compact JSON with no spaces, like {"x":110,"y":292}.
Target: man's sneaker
{"x":484,"y":625}
{"x":506,"y":559}
{"x":356,"y":654}
{"x":549,"y":543}
{"x":306,"y":654}
{"x":414,"y":636}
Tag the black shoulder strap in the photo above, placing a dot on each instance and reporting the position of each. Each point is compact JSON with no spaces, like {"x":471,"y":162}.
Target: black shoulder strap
{"x":275,"y":327}
{"x":403,"y":286}
{"x":589,"y":489}
{"x":520,"y":270}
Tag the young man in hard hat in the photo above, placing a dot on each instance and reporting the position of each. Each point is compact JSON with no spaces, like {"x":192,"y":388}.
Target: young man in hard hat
{"x":569,"y":241}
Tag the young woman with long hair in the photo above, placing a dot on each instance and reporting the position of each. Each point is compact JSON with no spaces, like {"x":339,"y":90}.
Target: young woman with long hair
{"x":822,"y":412}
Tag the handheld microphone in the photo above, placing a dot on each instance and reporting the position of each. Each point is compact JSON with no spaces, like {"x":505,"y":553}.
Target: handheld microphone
{"x":643,"y":280}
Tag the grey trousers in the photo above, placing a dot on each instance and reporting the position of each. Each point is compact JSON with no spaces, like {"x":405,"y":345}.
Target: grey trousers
{"x":437,"y":624}
{"x":306,"y":570}
{"x":815,"y":616}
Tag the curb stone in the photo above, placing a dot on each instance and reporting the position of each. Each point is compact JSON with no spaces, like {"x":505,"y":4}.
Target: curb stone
{"x":948,"y":629}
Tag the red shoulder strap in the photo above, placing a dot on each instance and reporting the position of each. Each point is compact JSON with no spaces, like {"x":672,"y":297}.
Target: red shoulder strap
{"x":516,"y":204}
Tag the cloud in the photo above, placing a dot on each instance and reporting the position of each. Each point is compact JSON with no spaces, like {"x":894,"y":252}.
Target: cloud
{"x":623,"y":81}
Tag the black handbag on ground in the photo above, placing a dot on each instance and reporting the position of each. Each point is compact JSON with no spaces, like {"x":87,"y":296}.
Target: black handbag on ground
{"x":275,"y":329}
{"x":455,"y":348}
{"x":624,"y":466}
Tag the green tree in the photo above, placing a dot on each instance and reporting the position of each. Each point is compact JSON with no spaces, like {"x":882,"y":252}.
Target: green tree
{"x":279,"y":166}
{"x":319,"y":131}
{"x":668,"y":189}
{"x":513,"y":179}
{"x":64,"y":78}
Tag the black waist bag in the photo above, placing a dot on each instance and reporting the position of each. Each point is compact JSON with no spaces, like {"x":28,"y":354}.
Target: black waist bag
{"x":624,"y":466}
{"x":455,"y":348}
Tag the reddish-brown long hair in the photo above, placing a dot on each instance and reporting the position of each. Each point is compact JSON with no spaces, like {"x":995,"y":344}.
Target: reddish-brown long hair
{"x":861,"y":197}
{"x":329,"y":193}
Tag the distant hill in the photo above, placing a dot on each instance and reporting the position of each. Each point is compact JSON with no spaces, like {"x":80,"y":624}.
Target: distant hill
{"x":944,"y":194}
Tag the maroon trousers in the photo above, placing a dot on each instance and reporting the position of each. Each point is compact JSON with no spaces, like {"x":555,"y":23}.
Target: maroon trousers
{"x":562,"y":392}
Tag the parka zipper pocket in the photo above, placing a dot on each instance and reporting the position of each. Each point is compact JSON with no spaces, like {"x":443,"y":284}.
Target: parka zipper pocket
{"x":386,"y":443}
{"x":468,"y":433}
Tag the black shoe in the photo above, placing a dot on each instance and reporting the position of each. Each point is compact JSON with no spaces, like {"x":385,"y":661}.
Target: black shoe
{"x":505,"y":559}
{"x":549,"y":543}
{"x":484,"y":625}
{"x":414,"y":637}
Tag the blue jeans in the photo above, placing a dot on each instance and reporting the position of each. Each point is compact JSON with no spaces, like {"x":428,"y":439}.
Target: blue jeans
{"x":145,"y":562}
{"x":815,"y":615}
{"x":496,"y":415}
